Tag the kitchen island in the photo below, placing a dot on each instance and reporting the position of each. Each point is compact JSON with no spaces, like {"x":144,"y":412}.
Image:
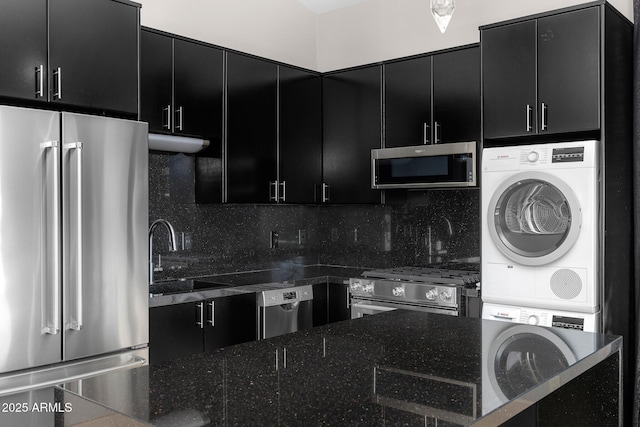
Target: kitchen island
{"x":396,"y":368}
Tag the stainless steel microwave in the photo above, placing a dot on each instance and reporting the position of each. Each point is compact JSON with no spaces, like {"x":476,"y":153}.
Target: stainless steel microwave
{"x":424,"y":166}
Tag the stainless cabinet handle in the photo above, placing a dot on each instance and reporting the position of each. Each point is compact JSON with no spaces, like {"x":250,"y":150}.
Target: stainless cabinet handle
{"x":436,"y":133}
{"x":348,"y":298}
{"x":325,"y":193}
{"x":200,"y":306}
{"x":277,"y":362}
{"x":52,"y":326}
{"x":283,"y":192}
{"x":40,"y":81}
{"x":544,"y":116}
{"x":284,"y":357}
{"x":77,"y":323}
{"x":179,"y":121}
{"x":57,"y":92}
{"x":212,"y":313}
{"x":273,"y":191}
{"x":529,"y":110}
{"x":425,"y":134}
{"x":166,"y":117}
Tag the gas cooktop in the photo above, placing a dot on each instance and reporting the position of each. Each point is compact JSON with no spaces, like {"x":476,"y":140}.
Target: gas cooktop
{"x":427,"y":274}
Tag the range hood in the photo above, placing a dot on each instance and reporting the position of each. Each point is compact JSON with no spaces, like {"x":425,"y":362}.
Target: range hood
{"x":177,"y":144}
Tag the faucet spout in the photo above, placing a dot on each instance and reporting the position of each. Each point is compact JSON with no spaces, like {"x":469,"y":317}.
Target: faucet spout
{"x":172,"y":242}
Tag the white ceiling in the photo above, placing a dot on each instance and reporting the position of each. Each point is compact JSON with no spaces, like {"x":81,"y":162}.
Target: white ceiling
{"x":323,"y":6}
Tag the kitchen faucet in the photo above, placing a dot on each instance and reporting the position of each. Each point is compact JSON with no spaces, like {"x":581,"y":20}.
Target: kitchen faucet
{"x":172,"y":242}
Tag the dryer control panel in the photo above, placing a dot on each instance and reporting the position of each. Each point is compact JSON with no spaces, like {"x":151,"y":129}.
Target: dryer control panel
{"x":564,"y":155}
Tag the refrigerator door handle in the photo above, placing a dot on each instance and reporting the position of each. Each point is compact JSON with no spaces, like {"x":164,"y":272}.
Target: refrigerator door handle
{"x":77,"y":323}
{"x":52,"y":318}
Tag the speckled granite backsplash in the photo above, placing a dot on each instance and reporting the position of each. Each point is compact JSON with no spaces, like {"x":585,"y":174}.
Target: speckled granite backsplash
{"x":432,"y":226}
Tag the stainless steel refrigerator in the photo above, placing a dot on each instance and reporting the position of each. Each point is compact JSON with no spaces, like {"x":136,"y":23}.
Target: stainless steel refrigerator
{"x":73,"y":246}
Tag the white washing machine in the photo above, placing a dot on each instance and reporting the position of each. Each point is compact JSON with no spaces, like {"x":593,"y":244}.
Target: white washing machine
{"x":540,"y":226}
{"x":516,"y":357}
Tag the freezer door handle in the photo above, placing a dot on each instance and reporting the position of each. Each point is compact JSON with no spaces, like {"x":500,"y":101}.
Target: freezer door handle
{"x":52,"y":309}
{"x":76,"y":322}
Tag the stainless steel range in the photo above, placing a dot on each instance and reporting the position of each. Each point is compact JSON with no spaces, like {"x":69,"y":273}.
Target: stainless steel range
{"x":435,"y":290}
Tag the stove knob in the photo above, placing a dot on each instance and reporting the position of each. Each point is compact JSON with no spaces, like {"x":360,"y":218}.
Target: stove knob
{"x":446,"y":296}
{"x":533,"y":320}
{"x":355,"y":286}
{"x":431,"y":295}
{"x":398,"y":291}
{"x":367,"y":287}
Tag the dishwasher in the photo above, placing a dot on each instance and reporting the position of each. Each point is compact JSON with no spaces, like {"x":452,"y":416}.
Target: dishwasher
{"x":281,"y":311}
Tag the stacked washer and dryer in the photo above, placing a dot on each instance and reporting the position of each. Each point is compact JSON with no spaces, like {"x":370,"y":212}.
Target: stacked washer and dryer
{"x":541,"y":247}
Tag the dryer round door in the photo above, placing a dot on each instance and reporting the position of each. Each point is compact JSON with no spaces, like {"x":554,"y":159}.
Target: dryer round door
{"x":523,"y":356}
{"x":534,"y":218}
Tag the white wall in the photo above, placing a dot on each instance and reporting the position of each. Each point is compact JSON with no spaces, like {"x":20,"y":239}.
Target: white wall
{"x":377,"y":30}
{"x":367,"y":32}
{"x":282,"y":30}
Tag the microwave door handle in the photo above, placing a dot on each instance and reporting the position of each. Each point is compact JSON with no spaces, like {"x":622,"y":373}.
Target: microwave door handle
{"x":52,"y":326}
{"x":77,"y":323}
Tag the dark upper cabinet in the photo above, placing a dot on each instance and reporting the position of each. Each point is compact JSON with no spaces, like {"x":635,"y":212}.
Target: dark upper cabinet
{"x":90,"y":65}
{"x":252,"y":86}
{"x":24,"y":67}
{"x":542,"y":75}
{"x":352,"y":128}
{"x":456,"y":96}
{"x":408,"y":102}
{"x":300,"y":135}
{"x":182,"y":86}
{"x":433,"y":99}
{"x":156,"y":80}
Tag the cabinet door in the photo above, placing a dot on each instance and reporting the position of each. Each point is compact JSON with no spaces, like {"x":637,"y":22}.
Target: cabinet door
{"x":339,"y":302}
{"x":251,"y":128}
{"x":456,"y":96}
{"x":509,"y":79}
{"x":300,"y":135}
{"x":156,"y":67}
{"x":569,"y":71}
{"x":174,"y":331}
{"x":95,"y":45}
{"x":408,"y":102}
{"x":352,"y":121}
{"x":23,"y":43}
{"x":230,"y":320}
{"x":198,"y":87}
{"x":320,"y":304}
{"x":251,"y":375}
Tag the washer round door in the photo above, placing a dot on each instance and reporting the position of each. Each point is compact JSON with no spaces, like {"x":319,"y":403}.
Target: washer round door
{"x":534,"y":218}
{"x":524,"y":356}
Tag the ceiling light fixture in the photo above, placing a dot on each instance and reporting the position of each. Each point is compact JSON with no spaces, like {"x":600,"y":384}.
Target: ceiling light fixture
{"x":442,"y":10}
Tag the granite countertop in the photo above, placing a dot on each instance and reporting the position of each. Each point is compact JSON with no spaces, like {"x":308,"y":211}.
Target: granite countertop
{"x":396,"y":368}
{"x":220,"y":285}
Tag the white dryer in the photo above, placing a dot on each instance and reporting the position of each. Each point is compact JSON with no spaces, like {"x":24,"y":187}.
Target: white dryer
{"x":540,"y":226}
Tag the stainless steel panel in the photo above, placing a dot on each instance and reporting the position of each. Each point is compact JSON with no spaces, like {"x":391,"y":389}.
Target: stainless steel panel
{"x":286,"y":318}
{"x":29,"y":267}
{"x":105,"y":172}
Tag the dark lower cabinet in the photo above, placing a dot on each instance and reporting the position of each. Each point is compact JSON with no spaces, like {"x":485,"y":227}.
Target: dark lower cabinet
{"x":339,"y":302}
{"x":183,"y":329}
{"x":331,"y":303}
{"x":352,"y":120}
{"x":229,"y":320}
{"x":174,"y":332}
